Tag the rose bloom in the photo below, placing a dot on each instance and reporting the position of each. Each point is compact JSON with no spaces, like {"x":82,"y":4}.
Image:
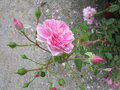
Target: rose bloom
{"x":57,"y":35}
{"x":88,"y":14}
{"x":18,"y":24}
{"x":97,"y":60}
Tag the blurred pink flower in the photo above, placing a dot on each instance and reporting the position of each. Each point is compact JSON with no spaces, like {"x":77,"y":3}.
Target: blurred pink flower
{"x":54,"y":88}
{"x":17,"y":23}
{"x":116,"y":85}
{"x":109,"y":81}
{"x":88,"y":14}
{"x":108,"y":69}
{"x":97,"y":60}
{"x":57,"y":35}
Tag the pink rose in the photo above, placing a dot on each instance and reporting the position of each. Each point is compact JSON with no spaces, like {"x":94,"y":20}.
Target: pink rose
{"x":88,"y":14}
{"x":97,"y":60}
{"x":57,"y":35}
{"x":17,"y":23}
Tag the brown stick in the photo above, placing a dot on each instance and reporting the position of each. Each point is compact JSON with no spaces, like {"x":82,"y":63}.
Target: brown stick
{"x":92,"y":42}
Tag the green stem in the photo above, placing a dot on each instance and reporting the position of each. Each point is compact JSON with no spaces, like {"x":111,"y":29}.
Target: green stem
{"x":36,"y":69}
{"x":36,"y":31}
{"x":53,"y":73}
{"x":32,"y":80}
{"x":70,"y":67}
{"x":34,"y":42}
{"x":48,"y":78}
{"x":35,"y":61}
{"x":25,"y":45}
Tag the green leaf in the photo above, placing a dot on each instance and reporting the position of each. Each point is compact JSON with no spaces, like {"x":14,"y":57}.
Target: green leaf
{"x":109,"y":55}
{"x":84,"y":37}
{"x":110,"y":21}
{"x":83,"y":26}
{"x":82,"y":51}
{"x":26,"y":85}
{"x":61,"y":82}
{"x":90,"y":54}
{"x":78,"y":64}
{"x":116,"y":57}
{"x":22,"y":71}
{"x":58,"y":59}
{"x":96,"y":71}
{"x":27,"y":26}
{"x":117,"y":37}
{"x":113,"y":8}
{"x":75,"y":30}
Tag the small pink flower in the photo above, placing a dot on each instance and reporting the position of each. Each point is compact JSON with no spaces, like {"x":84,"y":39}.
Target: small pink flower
{"x":88,"y":14}
{"x":17,"y":23}
{"x":54,"y":88}
{"x":97,"y":60}
{"x":58,"y":36}
{"x":108,"y":69}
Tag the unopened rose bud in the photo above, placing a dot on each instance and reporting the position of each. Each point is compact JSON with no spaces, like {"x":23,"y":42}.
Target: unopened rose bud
{"x":61,"y":82}
{"x":36,"y":75}
{"x":96,"y":59}
{"x":54,"y":88}
{"x":37,"y":13}
{"x":42,"y":74}
{"x":108,"y":69}
{"x":18,"y":24}
{"x":22,"y":71}
{"x":12,"y":44}
{"x":24,"y":56}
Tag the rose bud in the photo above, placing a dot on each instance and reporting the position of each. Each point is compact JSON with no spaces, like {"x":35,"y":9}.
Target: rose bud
{"x":22,"y":71}
{"x":18,"y":24}
{"x":38,"y":13}
{"x":61,"y":82}
{"x":97,"y":60}
{"x":12,"y":44}
{"x":36,"y":75}
{"x":108,"y":69}
{"x":54,"y":88}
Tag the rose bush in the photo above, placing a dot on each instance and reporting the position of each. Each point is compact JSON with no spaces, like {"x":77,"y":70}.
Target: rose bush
{"x":95,"y":46}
